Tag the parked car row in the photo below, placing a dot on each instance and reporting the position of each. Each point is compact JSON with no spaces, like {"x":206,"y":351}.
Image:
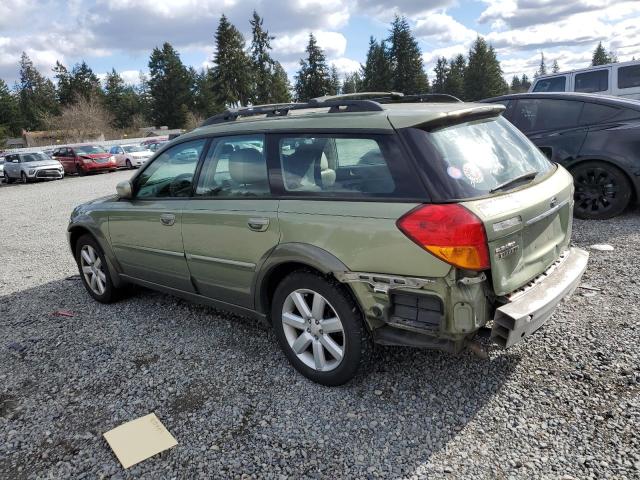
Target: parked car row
{"x":77,"y":159}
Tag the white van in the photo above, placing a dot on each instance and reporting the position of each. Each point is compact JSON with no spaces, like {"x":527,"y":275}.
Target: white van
{"x":619,"y":79}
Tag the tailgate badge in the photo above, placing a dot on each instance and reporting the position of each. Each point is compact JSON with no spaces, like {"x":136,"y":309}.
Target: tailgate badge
{"x":553,"y":202}
{"x":506,"y":250}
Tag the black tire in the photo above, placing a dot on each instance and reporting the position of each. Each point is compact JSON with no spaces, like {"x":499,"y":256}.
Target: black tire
{"x":23,"y":177}
{"x":8,"y":179}
{"x":128,"y":164}
{"x":602,"y":190}
{"x":356,"y":339}
{"x":111,"y":293}
{"x":80,"y":171}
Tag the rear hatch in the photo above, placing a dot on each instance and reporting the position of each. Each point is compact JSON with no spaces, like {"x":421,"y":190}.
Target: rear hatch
{"x":485,"y":164}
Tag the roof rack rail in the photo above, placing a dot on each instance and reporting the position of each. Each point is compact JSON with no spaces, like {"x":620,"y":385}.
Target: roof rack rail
{"x":351,"y":102}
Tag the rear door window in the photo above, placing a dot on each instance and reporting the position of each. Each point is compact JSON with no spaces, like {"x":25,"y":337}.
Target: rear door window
{"x":539,"y":114}
{"x":552,"y":84}
{"x":629,"y":77}
{"x":591,"y":82}
{"x":593,"y":113}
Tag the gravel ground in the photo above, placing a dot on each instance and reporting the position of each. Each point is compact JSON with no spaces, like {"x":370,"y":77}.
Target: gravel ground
{"x":563,"y":404}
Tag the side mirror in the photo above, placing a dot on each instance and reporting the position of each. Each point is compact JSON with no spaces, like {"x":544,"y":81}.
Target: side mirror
{"x":124,"y":190}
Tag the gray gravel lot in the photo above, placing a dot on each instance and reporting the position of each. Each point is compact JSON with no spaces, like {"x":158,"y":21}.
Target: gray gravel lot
{"x":563,"y":404}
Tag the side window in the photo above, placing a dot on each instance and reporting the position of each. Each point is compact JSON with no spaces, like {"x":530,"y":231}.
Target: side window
{"x":593,"y":113}
{"x":553,"y":84}
{"x":629,"y":77}
{"x":113,"y":150}
{"x":335,"y":165}
{"x":531,"y":115}
{"x":590,"y":82}
{"x":235,"y":166}
{"x":171,"y":174}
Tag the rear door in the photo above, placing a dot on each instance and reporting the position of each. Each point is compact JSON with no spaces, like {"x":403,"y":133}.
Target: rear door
{"x":552,"y":124}
{"x":231,"y":223}
{"x":146,"y":231}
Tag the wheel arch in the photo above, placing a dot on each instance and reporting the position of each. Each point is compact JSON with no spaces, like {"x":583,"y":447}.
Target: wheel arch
{"x":286,"y":258}
{"x":74,"y":233}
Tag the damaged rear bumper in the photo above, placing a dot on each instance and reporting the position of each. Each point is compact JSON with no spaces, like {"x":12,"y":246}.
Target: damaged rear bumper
{"x":527,"y":310}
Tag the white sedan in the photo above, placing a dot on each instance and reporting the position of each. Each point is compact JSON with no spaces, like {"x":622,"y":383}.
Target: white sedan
{"x":130,"y":156}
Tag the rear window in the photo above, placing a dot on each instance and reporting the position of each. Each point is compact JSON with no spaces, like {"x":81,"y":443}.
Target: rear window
{"x":629,"y":77}
{"x":590,"y":82}
{"x":553,"y":84}
{"x":472,"y":159}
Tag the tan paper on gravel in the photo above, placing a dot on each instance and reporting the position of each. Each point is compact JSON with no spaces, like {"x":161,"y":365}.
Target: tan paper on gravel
{"x":139,"y":439}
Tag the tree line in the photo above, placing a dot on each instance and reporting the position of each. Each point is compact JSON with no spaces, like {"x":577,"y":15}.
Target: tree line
{"x":178,"y":96}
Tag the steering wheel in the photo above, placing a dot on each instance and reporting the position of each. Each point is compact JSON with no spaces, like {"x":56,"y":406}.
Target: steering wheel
{"x":181,"y":185}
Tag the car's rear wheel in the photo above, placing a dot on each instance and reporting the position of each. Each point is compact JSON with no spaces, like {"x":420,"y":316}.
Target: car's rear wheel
{"x":602,"y":191}
{"x":319,"y":328}
{"x":7,"y":178}
{"x":80,"y":171}
{"x":94,"y":270}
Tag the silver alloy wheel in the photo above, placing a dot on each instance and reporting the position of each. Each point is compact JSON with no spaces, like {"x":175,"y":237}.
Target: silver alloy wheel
{"x":93,"y":270}
{"x":313,"y":330}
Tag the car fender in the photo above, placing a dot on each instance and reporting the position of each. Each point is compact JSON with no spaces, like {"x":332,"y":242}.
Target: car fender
{"x":84,"y":222}
{"x":300,"y":253}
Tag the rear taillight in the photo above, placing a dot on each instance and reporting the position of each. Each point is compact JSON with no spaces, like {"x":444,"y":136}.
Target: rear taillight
{"x":450,"y":232}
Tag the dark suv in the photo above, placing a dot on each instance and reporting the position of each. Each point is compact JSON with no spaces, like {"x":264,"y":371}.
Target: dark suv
{"x":597,"y":138}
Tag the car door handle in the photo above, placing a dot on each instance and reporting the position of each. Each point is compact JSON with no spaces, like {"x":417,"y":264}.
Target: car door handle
{"x":167,"y":219}
{"x":258,"y":224}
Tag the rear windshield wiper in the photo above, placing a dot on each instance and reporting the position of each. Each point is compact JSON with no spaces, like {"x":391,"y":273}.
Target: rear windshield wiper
{"x":525,"y":176}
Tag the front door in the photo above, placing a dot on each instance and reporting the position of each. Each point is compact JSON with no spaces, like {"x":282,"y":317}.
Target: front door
{"x":146,"y":231}
{"x":231,"y":223}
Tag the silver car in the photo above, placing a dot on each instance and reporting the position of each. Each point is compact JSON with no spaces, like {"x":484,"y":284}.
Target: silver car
{"x":30,"y":167}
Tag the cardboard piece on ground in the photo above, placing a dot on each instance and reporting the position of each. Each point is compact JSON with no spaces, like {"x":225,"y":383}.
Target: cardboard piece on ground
{"x":139,"y":439}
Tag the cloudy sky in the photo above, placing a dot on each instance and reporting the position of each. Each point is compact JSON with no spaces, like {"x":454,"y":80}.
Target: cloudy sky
{"x":121,"y":33}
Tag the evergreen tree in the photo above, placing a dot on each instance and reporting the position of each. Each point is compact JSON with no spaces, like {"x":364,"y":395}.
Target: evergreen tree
{"x":483,"y":76}
{"x":406,"y":59}
{"x":376,"y":72}
{"x":352,"y":83}
{"x":441,"y":70}
{"x":36,"y":95}
{"x":312,"y":80}
{"x":555,"y":68}
{"x":280,"y":87}
{"x":454,"y":81}
{"x":63,"y":84}
{"x":542,"y":68}
{"x":84,"y":82}
{"x":525,"y":82}
{"x":9,"y":115}
{"x":120,"y":100}
{"x":169,"y":87}
{"x":334,"y":81}
{"x":263,"y":64}
{"x":232,"y":78}
{"x":143,"y":93}
{"x":204,"y":97}
{"x":516,"y":85}
{"x":600,"y":56}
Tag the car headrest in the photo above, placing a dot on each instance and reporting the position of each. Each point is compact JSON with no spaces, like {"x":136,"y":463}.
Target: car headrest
{"x":247,"y":166}
{"x":226,"y":149}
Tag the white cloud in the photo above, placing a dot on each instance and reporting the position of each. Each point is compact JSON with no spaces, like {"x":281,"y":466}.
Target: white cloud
{"x":443,"y":28}
{"x":291,"y":46}
{"x":346,"y":65}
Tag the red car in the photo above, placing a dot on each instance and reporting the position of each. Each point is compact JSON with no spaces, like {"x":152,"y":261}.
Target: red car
{"x":83,"y":159}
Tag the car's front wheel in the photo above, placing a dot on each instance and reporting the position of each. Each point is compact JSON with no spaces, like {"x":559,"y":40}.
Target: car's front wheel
{"x":602,"y":190}
{"x":128,"y":163}
{"x":94,"y":270}
{"x":319,"y":328}
{"x":23,"y":177}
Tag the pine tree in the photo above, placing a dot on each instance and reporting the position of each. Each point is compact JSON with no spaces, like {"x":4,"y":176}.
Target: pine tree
{"x":516,"y":85}
{"x":376,"y":72}
{"x":36,"y":95}
{"x":312,"y":80}
{"x":120,"y":100}
{"x":263,"y":64}
{"x":483,"y":76}
{"x":441,"y":70}
{"x":600,"y":56}
{"x":169,"y":87}
{"x":84,"y":82}
{"x":555,"y":68}
{"x":334,"y":81}
{"x":525,"y":82}
{"x":406,"y":59}
{"x":232,"y":78}
{"x":352,"y":83}
{"x":63,"y":84}
{"x":280,"y":87}
{"x":204,"y":97}
{"x":9,"y":115}
{"x":542,"y":68}
{"x":454,"y":82}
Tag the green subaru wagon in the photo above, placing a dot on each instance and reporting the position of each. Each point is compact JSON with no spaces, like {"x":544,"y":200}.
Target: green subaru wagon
{"x":346,"y":222}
